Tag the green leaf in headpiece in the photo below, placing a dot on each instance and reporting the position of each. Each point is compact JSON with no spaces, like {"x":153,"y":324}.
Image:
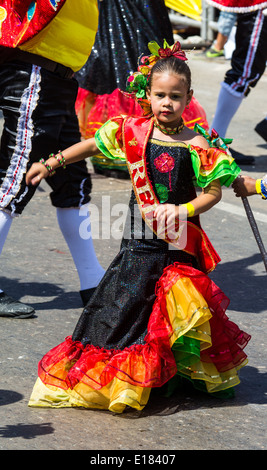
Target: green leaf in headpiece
{"x":141,"y":94}
{"x":141,"y":81}
{"x":166,"y":45}
{"x":153,"y":47}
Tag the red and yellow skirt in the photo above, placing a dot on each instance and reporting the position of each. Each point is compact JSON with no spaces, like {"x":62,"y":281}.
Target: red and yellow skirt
{"x":188,"y":335}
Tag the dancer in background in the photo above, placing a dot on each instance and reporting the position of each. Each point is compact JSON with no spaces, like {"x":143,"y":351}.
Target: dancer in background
{"x":125,"y":28}
{"x":156,"y":317}
{"x":42,"y":45}
{"x":225,"y":23}
{"x":247,"y":64}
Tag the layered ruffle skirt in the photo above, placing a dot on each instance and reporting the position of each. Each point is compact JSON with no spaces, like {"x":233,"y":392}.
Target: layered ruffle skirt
{"x":188,"y":336}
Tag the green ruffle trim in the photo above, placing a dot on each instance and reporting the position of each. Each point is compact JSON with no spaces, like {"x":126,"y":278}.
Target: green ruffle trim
{"x":106,"y":141}
{"x":186,"y":352}
{"x":225,"y":170}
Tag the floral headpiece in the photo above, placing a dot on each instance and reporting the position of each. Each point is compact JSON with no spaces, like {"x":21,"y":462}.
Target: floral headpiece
{"x":137,"y":82}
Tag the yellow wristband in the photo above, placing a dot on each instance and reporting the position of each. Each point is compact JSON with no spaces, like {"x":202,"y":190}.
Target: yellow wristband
{"x":190,"y":209}
{"x":258,"y":186}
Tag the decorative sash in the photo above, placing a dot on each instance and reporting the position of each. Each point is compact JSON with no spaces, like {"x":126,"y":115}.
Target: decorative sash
{"x":183,"y":235}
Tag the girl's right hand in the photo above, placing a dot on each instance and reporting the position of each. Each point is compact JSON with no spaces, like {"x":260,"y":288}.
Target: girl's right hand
{"x":36,"y":173}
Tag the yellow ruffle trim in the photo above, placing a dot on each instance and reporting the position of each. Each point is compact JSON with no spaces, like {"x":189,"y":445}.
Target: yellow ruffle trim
{"x":188,"y":312}
{"x":113,"y":397}
{"x":189,"y":315}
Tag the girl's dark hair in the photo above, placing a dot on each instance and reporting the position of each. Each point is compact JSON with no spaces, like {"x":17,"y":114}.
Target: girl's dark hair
{"x":172,"y":65}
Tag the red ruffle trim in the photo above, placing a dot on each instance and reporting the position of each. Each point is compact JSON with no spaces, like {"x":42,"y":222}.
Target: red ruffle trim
{"x":151,"y":364}
{"x":228,"y":341}
{"x":94,"y":110}
{"x":239,"y":6}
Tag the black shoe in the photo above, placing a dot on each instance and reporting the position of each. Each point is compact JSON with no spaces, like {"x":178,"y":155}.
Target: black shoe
{"x":242,"y":159}
{"x":13,"y":308}
{"x":261,"y":129}
{"x":86,"y":295}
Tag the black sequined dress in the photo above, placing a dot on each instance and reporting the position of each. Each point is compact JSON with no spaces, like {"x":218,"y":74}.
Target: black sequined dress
{"x":125,"y":29}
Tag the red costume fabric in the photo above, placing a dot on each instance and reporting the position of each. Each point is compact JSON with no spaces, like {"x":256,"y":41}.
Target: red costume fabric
{"x":238,"y":6}
{"x":23,"y":19}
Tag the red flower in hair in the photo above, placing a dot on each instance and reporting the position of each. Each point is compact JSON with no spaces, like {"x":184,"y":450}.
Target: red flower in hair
{"x":174,"y":50}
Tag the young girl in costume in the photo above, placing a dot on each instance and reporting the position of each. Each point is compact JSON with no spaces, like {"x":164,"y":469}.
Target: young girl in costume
{"x":156,"y":316}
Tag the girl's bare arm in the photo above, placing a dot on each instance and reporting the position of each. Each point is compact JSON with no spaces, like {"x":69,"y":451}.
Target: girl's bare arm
{"x":76,"y":152}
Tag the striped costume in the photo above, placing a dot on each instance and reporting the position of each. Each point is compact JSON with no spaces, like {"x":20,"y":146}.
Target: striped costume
{"x":39,"y":55}
{"x":250,"y":55}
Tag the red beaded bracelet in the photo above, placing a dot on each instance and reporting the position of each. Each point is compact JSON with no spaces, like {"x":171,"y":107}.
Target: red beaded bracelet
{"x":59,"y":158}
{"x":48,"y":167}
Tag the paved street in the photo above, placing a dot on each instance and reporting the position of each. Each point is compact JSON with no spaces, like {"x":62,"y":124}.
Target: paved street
{"x":37,"y":268}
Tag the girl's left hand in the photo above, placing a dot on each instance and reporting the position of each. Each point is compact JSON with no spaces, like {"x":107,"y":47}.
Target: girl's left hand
{"x":166,"y":214}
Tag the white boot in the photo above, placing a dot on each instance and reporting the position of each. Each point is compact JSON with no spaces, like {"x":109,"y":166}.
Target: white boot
{"x":227,"y":105}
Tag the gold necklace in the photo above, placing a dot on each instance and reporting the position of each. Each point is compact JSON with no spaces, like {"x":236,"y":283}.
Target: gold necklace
{"x":169,"y":130}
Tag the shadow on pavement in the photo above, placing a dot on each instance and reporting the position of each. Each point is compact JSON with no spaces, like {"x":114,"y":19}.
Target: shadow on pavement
{"x":26,"y":431}
{"x":246,"y":291}
{"x":61,"y":300}
{"x":252,"y":390}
